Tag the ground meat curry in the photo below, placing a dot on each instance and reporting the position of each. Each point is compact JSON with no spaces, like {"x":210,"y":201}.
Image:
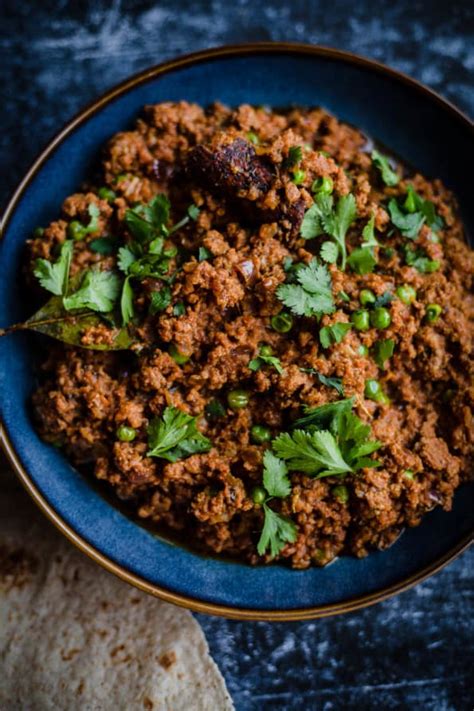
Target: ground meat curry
{"x":266,"y":330}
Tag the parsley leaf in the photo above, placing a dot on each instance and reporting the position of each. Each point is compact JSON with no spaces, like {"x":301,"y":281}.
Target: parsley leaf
{"x":277,"y":531}
{"x":126,"y":302}
{"x":295,"y":154}
{"x":175,"y":436}
{"x":266,"y":359}
{"x":361,"y":260}
{"x":160,"y":300}
{"x":275,"y":476}
{"x":312,"y":296}
{"x":383,"y":350}
{"x":333,"y":334}
{"x":55,"y":277}
{"x":98,"y":291}
{"x":335,"y":383}
{"x":381,"y":162}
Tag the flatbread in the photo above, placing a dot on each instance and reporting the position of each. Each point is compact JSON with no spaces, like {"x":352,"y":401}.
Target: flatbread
{"x":72,"y":636}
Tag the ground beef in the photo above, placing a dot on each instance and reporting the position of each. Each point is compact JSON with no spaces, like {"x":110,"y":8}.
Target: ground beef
{"x":235,"y":166}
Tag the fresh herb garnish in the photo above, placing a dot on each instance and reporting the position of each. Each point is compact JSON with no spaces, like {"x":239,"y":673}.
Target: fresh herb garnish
{"x":265,"y":357}
{"x":175,"y":436}
{"x":54,"y":277}
{"x":383,"y":350}
{"x":381,"y":162}
{"x":329,"y":252}
{"x":277,"y":530}
{"x":322,"y":218}
{"x":204,"y":254}
{"x":419,"y":259}
{"x":335,"y":383}
{"x":179,"y":309}
{"x":362,"y":260}
{"x":312,"y":295}
{"x":215,"y":410}
{"x":104,"y":245}
{"x":343,"y":296}
{"x":335,"y":442}
{"x":295,"y":154}
{"x":329,"y":335}
{"x":160,"y":300}
{"x":98,"y":292}
{"x":414,"y":212}
{"x":126,"y":302}
{"x":383,"y":300}
{"x":409,"y":224}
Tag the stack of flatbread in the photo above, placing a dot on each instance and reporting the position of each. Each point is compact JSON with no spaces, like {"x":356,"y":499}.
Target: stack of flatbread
{"x":72,"y":636}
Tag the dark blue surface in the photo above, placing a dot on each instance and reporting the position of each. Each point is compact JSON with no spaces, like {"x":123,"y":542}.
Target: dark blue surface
{"x":413,"y":651}
{"x":349,"y":92}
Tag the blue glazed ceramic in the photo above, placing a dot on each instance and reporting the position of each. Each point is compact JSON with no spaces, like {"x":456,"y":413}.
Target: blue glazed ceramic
{"x":417,"y":125}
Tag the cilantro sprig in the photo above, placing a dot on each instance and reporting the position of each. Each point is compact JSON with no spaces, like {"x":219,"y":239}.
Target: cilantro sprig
{"x":54,"y":276}
{"x":362,"y":260}
{"x":325,"y":218}
{"x":312,"y":294}
{"x":328,"y":441}
{"x":330,"y":382}
{"x":382,"y":163}
{"x":265,"y":357}
{"x":410,"y":216}
{"x":175,"y":436}
{"x":329,"y":335}
{"x":277,"y":530}
{"x":295,"y":155}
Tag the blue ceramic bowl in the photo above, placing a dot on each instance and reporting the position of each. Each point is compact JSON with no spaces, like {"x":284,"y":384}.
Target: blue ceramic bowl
{"x":416,"y":124}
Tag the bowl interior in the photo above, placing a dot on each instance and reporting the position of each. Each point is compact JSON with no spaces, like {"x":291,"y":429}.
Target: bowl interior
{"x":409,"y":122}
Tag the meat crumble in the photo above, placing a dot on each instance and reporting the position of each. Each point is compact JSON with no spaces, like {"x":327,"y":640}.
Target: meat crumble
{"x":262,"y":264}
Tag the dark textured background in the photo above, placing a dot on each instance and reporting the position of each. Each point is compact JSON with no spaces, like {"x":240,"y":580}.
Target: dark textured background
{"x":411,"y":652}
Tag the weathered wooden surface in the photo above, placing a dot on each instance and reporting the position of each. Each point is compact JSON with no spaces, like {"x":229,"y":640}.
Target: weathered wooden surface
{"x":411,"y":652}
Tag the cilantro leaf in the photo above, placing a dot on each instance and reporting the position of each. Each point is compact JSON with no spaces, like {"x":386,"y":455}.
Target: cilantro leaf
{"x":335,"y":383}
{"x":126,"y":302}
{"x":104,"y":245}
{"x":383,"y":350}
{"x":215,"y":410}
{"x":329,"y":252}
{"x":368,"y":234}
{"x":312,"y":296}
{"x":415,"y":202}
{"x":275,"y":476}
{"x":125,"y":259}
{"x":314,"y":452}
{"x":54,"y":277}
{"x":316,"y":216}
{"x":418,"y":258}
{"x":408,"y":224}
{"x":383,"y":300}
{"x":266,"y":359}
{"x":192,"y":213}
{"x":381,"y":162}
{"x":160,"y":300}
{"x":146,"y":222}
{"x":295,"y":154}
{"x":179,"y":309}
{"x":204,"y":254}
{"x":361,"y":260}
{"x":325,"y":416}
{"x":339,"y":222}
{"x":175,"y":436}
{"x":98,"y":291}
{"x":277,"y":531}
{"x":330,"y":335}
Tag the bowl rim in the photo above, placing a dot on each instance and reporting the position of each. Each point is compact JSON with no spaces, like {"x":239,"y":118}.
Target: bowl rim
{"x":187,"y":601}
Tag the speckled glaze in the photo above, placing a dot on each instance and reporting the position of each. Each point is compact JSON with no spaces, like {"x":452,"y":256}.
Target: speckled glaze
{"x":414,"y":124}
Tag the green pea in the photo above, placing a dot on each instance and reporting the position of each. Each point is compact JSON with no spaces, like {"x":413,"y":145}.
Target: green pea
{"x":38,"y":232}
{"x":282,"y":322}
{"x":323,"y":186}
{"x":406,"y":293}
{"x":341,"y":492}
{"x":266,"y":351}
{"x":298,"y":177}
{"x":253,"y":138}
{"x":126,"y":434}
{"x":106,"y":193}
{"x":361,"y":319}
{"x":409,"y":474}
{"x":373,"y":391}
{"x":177,"y":356}
{"x":237,"y":399}
{"x":75,"y":230}
{"x":363,"y":350}
{"x":259,"y":495}
{"x":260,"y":434}
{"x":433,"y":312}
{"x":367,"y":297}
{"x":380,"y":318}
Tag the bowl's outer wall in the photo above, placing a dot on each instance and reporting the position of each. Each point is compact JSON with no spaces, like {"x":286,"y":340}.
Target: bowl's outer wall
{"x":401,"y":117}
